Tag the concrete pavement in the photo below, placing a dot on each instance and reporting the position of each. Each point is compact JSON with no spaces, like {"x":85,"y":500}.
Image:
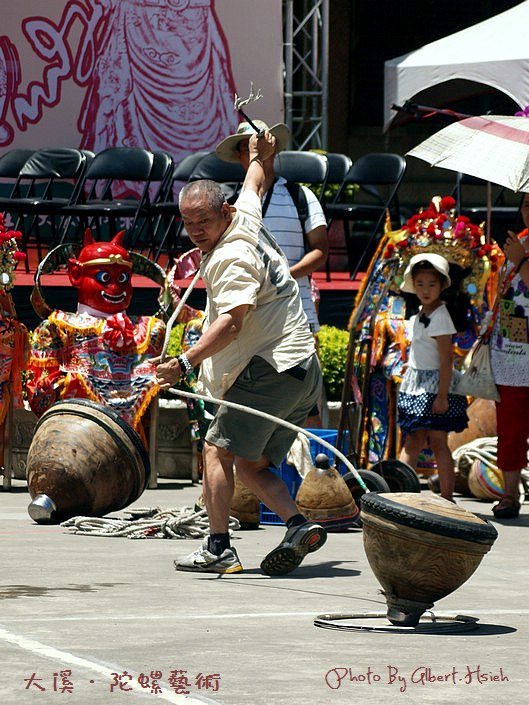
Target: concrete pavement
{"x":101,"y":620}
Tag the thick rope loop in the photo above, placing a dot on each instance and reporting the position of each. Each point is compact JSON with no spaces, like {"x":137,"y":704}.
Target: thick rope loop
{"x":154,"y":523}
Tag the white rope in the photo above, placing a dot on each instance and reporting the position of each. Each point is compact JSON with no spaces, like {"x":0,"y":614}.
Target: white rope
{"x":281,"y":422}
{"x":484,"y":449}
{"x":156,"y":523}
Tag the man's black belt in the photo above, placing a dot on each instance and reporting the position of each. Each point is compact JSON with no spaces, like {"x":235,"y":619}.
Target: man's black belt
{"x":298,"y":372}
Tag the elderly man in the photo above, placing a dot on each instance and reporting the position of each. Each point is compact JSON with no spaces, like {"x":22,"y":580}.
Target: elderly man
{"x":256,"y":350}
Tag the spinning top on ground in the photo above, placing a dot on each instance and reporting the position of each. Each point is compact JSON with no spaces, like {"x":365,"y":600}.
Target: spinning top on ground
{"x":421,"y":549}
{"x":324,"y":497}
{"x":83,"y":459}
{"x":485,"y":481}
{"x":245,"y":506}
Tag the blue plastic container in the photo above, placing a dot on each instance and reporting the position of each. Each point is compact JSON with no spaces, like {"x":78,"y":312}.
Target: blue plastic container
{"x":327,"y":434}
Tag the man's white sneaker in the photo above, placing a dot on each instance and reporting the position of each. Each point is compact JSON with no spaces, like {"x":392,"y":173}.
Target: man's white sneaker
{"x":203,"y":561}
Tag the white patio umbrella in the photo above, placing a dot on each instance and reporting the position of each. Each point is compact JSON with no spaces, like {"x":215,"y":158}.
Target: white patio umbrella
{"x":494,"y":148}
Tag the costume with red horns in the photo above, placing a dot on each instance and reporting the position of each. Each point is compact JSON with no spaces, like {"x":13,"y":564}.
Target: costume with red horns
{"x":98,"y":352}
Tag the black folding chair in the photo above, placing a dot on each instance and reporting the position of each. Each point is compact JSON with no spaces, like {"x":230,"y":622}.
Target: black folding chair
{"x":160,"y":178}
{"x":129,"y":168}
{"x":10,"y":165}
{"x":182,"y":173}
{"x":47,"y":182}
{"x":167,"y":230}
{"x":229,"y":175}
{"x":303,"y":167}
{"x":339,"y":165}
{"x":378,"y":176}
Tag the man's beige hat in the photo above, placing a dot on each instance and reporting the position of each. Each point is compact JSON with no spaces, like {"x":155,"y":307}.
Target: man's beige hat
{"x":227,"y":149}
{"x":438,"y":262}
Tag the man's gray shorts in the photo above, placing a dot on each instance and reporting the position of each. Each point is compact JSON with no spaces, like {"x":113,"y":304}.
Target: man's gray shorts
{"x":288,"y":395}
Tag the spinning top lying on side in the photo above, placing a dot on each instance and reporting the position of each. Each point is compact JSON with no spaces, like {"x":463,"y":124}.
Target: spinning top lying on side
{"x":83,"y":459}
{"x":485,"y":481}
{"x":324,"y":497}
{"x":421,"y":549}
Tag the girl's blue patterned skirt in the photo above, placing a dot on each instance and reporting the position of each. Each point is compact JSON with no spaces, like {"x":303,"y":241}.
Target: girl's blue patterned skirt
{"x":417,"y":393}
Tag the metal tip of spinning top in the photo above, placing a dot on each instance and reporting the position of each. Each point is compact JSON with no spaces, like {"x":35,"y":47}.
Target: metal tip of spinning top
{"x":321,"y":461}
{"x":405,"y":613}
{"x":42,"y":509}
{"x":404,"y":619}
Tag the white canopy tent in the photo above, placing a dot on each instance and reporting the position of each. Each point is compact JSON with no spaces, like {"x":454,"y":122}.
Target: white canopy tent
{"x":494,"y":52}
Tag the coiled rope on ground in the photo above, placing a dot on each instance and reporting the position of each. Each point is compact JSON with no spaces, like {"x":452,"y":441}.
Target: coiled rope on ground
{"x":484,"y":449}
{"x":154,"y":523}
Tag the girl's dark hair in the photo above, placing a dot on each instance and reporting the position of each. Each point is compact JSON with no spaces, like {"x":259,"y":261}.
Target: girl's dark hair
{"x":423,"y":266}
{"x":457,"y":301}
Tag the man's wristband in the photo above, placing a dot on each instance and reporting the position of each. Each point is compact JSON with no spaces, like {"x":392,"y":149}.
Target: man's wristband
{"x":520,"y":263}
{"x":184,"y":363}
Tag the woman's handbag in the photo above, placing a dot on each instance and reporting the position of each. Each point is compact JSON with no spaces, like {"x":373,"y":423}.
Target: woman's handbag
{"x":477,"y":380}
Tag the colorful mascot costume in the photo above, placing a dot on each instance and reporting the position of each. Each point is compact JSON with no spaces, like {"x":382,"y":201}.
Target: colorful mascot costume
{"x":14,"y":344}
{"x":97,"y":353}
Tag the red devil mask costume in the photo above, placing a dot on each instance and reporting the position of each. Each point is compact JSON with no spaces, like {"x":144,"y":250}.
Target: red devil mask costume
{"x":98,"y":352}
{"x":102,"y":273}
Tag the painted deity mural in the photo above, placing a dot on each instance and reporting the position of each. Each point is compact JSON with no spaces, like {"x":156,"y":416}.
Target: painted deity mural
{"x":156,"y":74}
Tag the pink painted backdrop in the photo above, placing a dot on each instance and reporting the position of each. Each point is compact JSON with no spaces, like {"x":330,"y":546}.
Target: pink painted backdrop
{"x":159,"y":74}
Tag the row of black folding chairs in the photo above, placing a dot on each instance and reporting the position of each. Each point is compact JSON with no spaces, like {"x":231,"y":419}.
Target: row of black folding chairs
{"x":62,"y":191}
{"x":55,"y":194}
{"x":52,"y":195}
{"x":377,"y":176}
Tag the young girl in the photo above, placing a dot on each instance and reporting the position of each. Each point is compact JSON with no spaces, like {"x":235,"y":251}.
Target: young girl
{"x":428,"y":410}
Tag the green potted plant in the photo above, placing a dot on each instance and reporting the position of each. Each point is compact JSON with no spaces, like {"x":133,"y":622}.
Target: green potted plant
{"x":333,"y":344}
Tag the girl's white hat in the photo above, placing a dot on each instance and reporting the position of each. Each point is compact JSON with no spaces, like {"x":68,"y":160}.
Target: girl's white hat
{"x":438,"y":262}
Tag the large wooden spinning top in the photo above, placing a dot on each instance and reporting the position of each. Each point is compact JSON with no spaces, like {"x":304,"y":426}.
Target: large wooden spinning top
{"x":323,"y":496}
{"x":83,"y":459}
{"x":421,"y":549}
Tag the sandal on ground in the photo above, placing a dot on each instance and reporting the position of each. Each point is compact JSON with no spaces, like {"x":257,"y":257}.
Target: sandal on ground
{"x":507,"y":508}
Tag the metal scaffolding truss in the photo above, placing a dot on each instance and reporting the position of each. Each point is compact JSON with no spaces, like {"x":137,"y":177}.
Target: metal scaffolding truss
{"x":306,"y":42}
